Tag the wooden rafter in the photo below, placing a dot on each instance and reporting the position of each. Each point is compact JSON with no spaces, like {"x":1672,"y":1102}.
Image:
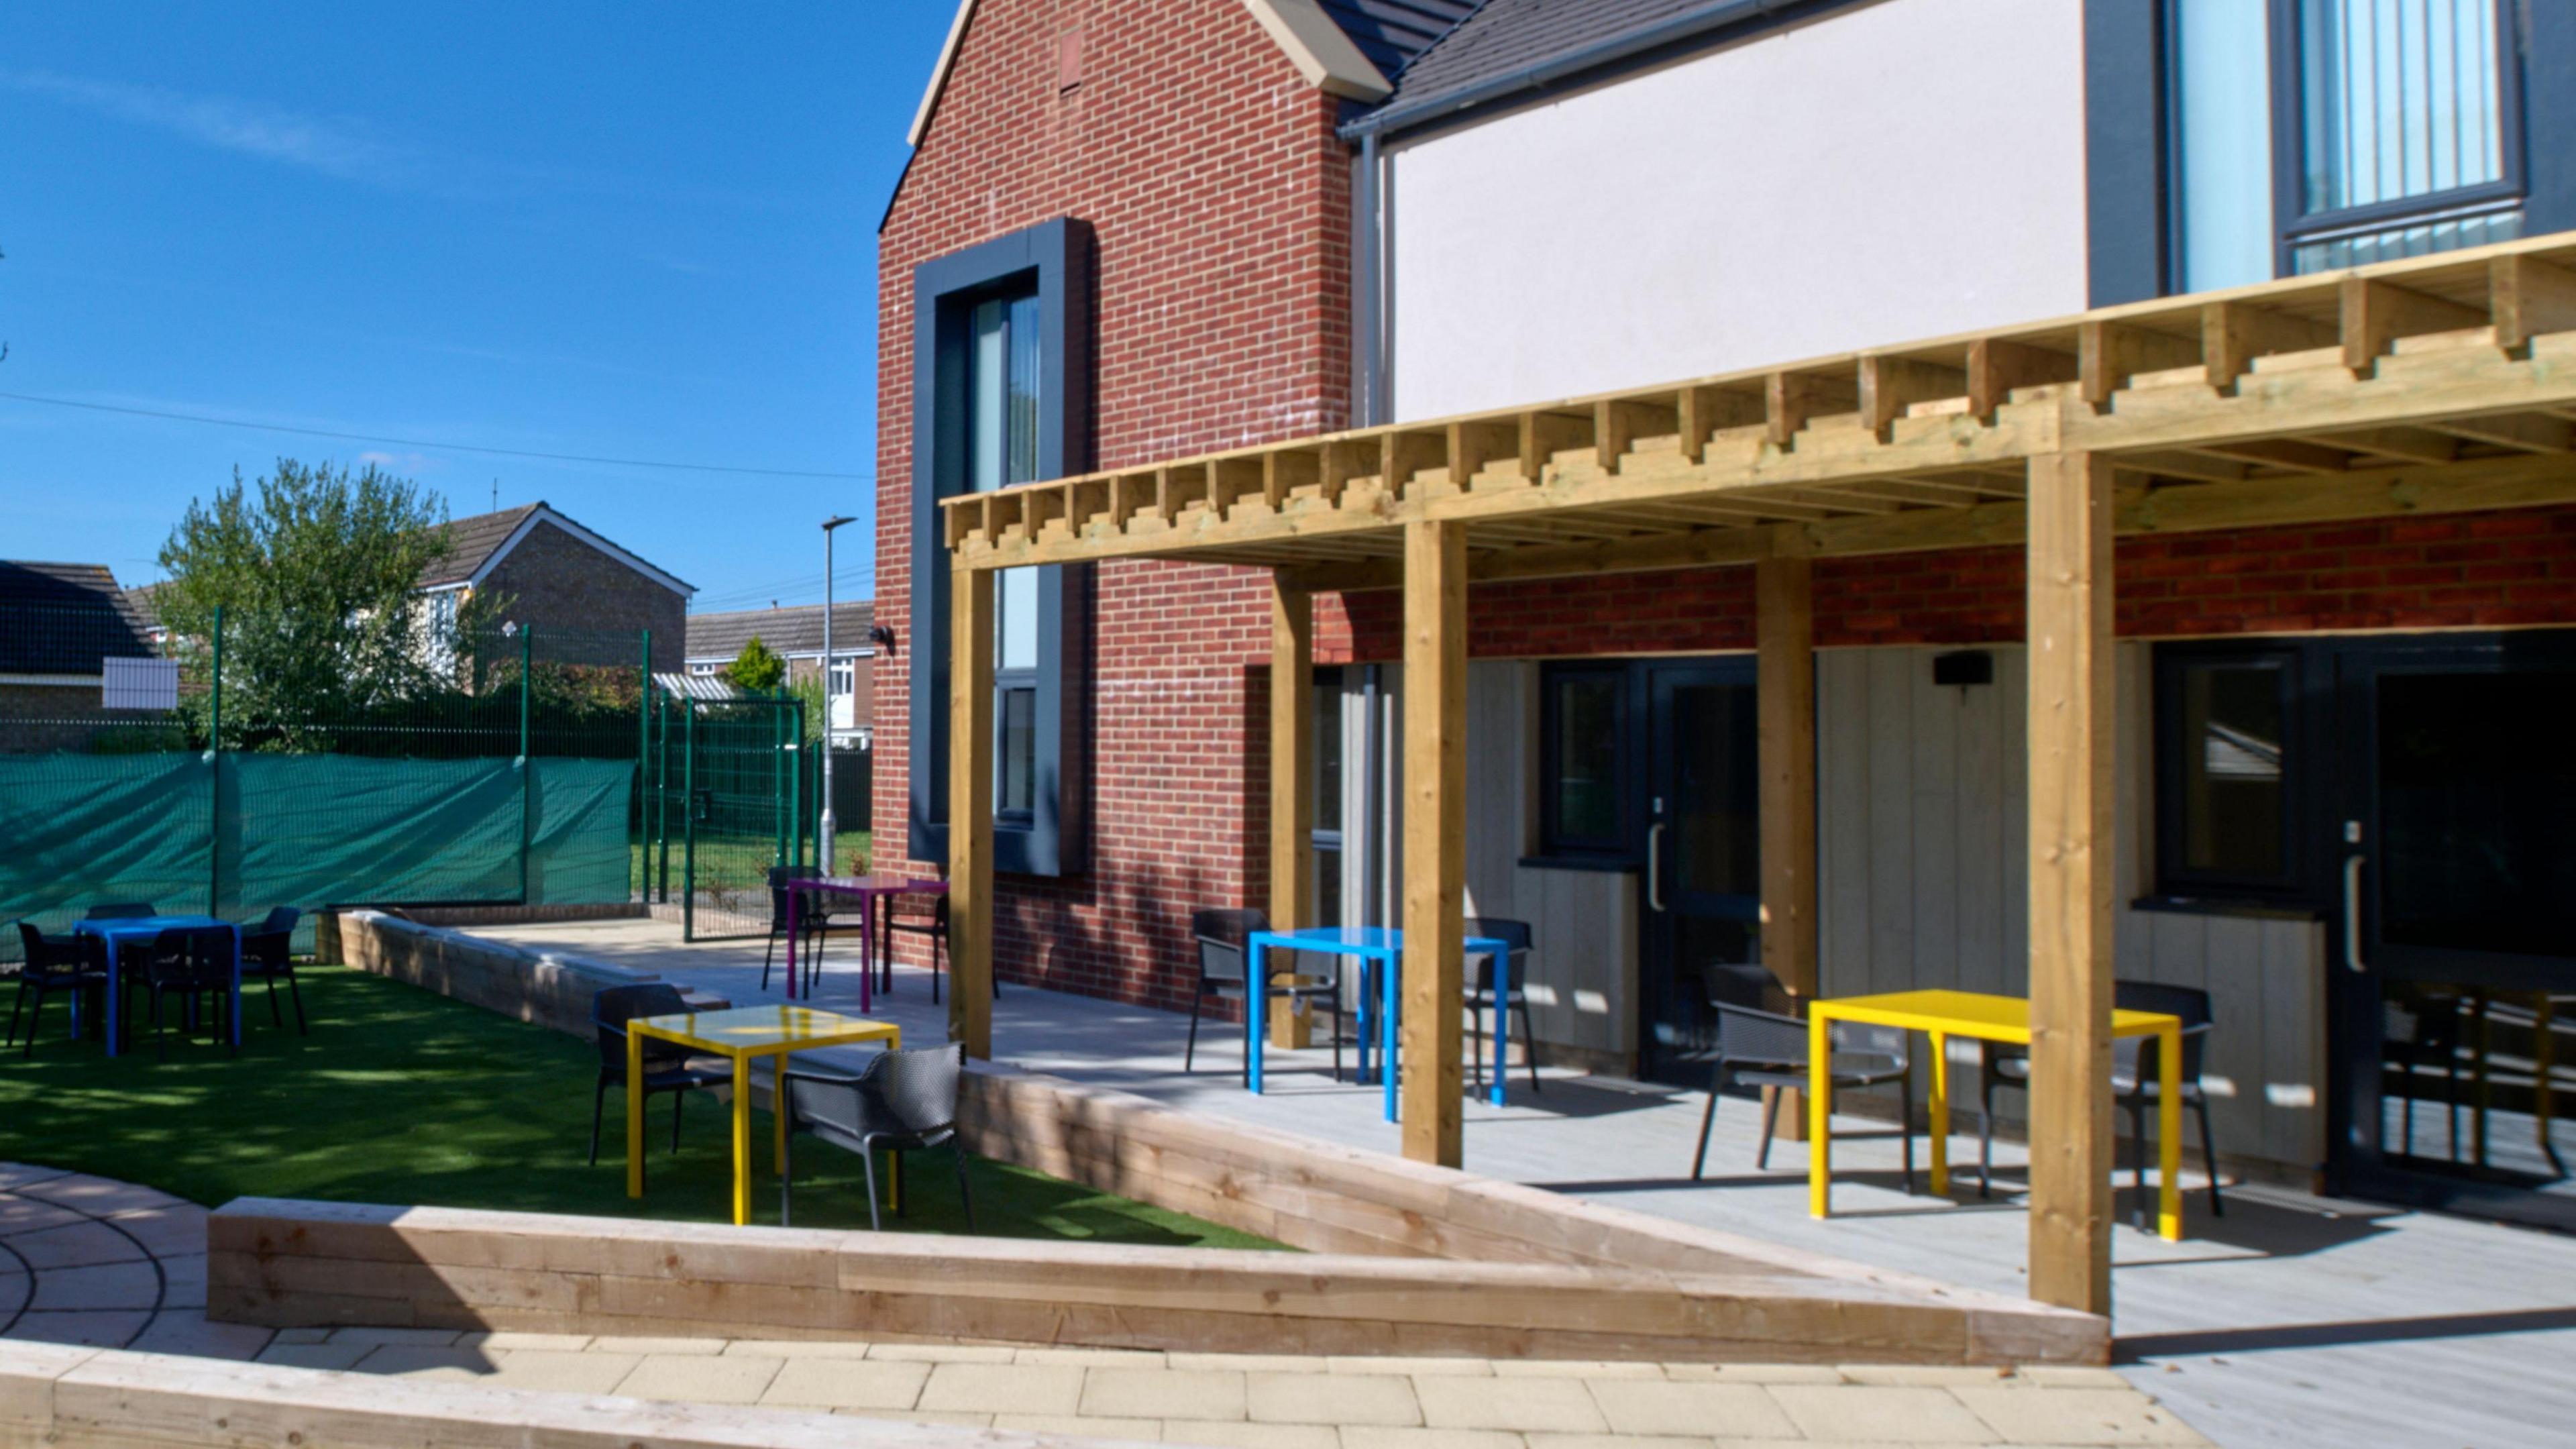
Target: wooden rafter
{"x":2298,"y":398}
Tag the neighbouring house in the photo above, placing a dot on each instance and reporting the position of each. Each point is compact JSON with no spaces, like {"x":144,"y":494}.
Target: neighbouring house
{"x":588,"y":599}
{"x":1765,"y":734}
{"x":64,"y":629}
{"x":795,"y":634}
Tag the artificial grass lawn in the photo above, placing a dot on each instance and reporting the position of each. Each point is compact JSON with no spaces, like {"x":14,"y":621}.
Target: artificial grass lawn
{"x":402,"y":1096}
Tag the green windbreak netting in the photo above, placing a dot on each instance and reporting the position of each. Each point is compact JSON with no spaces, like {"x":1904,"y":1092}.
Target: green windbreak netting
{"x":181,"y":833}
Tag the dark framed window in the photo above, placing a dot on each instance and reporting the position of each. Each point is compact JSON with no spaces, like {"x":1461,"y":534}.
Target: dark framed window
{"x":2313,"y":135}
{"x":1001,"y":394}
{"x":1583,"y":759}
{"x":2231,"y":762}
{"x":1327,"y":832}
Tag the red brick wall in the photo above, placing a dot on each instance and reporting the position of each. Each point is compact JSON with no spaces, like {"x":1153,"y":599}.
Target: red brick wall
{"x":1219,"y":199}
{"x":2466,"y":571}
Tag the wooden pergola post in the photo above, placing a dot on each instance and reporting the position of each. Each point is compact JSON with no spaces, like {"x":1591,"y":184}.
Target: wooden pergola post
{"x":2071,"y":1148}
{"x":1435,"y":838}
{"x":1292,"y":777}
{"x":1785,"y":705}
{"x":970,"y":811}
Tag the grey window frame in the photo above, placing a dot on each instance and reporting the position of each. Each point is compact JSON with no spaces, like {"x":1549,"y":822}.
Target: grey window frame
{"x":1056,"y":258}
{"x":2293,"y":225}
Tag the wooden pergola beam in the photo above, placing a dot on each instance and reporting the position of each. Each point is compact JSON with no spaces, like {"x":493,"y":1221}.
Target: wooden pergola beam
{"x":1292,"y":777}
{"x":970,"y":811}
{"x":2070,"y":741}
{"x":1435,"y":840}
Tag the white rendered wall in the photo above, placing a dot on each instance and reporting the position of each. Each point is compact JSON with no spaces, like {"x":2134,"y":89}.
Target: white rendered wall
{"x":1899,"y":171}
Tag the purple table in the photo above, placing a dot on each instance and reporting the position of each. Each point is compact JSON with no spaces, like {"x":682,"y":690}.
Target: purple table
{"x":866,"y":889}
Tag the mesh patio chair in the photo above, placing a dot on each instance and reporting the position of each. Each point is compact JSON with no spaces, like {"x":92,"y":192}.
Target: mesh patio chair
{"x":1766,"y":1049}
{"x":268,"y":955}
{"x":122,"y":911}
{"x":902,"y":1101}
{"x":810,"y":917}
{"x":2005,"y":1067}
{"x":669,"y":1068}
{"x":53,"y":964}
{"x":1225,"y":971}
{"x":2420,"y":1032}
{"x":195,"y":963}
{"x":1482,"y":995}
{"x":916,"y":913}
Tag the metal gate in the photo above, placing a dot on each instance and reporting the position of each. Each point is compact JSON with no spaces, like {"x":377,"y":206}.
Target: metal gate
{"x":728,"y":800}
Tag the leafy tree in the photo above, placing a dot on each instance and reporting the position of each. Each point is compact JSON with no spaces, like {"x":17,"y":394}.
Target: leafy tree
{"x":757,"y":667}
{"x":317,"y":571}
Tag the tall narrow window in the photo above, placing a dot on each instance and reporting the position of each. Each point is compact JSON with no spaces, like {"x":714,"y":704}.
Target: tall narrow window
{"x":2222,"y":121}
{"x":2407,"y":131}
{"x":2228,"y":755}
{"x":1002,"y":450}
{"x":1583,"y":739}
{"x":1327,"y":835}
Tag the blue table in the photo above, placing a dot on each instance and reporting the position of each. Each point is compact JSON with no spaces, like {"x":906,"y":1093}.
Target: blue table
{"x":121,"y":929}
{"x":1380,"y":951}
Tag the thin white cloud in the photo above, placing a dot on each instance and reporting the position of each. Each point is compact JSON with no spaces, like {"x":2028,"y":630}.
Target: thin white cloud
{"x":249,"y":128}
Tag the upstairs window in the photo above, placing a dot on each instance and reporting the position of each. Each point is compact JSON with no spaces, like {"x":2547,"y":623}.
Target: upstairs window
{"x":2313,"y":135}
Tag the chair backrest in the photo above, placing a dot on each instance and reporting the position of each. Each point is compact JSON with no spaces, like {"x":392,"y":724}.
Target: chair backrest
{"x":1224,"y":937}
{"x":918,"y":1089}
{"x":45,"y":952}
{"x":615,"y":1006}
{"x":780,"y":877}
{"x":918,"y":911}
{"x":2190,"y":1003}
{"x":279,"y":921}
{"x":191,"y":953}
{"x":1515,"y":934}
{"x":1748,"y":1036}
{"x":122,"y":911}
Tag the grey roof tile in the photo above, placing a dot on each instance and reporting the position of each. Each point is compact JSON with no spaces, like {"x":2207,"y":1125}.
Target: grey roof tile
{"x":62,"y":618}
{"x":1391,"y":33}
{"x":1503,"y":36}
{"x":797,"y":629}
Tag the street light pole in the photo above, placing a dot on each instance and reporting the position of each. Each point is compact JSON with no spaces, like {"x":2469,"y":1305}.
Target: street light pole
{"x":825,"y":828}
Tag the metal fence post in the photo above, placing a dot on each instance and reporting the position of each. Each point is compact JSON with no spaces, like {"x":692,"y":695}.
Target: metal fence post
{"x":215,"y":769}
{"x":527,"y":766}
{"x":689,"y":820}
{"x":662,"y":794}
{"x":643,"y":848}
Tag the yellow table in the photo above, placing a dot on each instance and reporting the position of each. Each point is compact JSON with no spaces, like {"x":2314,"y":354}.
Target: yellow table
{"x":739,"y":1035}
{"x":1942,"y":1015}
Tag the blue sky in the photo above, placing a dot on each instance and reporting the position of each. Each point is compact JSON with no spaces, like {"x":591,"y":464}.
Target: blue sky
{"x":640,"y":231}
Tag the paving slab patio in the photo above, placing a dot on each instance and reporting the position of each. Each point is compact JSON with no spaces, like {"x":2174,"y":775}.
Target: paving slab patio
{"x":2293,"y":1320}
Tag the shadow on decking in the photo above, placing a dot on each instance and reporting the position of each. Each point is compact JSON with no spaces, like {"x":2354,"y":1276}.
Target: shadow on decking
{"x":2146,"y":1348}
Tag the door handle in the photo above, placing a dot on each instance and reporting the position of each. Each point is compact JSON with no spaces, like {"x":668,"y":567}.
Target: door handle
{"x":1654,"y":867}
{"x":2352,"y":913}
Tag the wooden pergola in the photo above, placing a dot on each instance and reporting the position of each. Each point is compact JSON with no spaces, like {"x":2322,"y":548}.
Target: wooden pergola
{"x":2429,"y":386}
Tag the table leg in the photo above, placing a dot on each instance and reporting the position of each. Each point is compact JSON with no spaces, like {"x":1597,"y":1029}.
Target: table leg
{"x":115,"y":1027}
{"x":2545,"y":1066}
{"x":2169,"y":1133}
{"x":1820,"y":1090}
{"x":867,"y":952}
{"x":1940,"y":1112}
{"x":1502,"y":1020}
{"x":1255,"y":998}
{"x":778,"y":1108}
{"x":1388,"y":970}
{"x":741,"y":1138}
{"x":894,"y":1179}
{"x":236,"y":988}
{"x":634,"y":1113}
{"x":792,"y":895}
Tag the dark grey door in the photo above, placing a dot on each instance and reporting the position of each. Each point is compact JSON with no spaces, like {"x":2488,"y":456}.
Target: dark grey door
{"x":1703,"y":881}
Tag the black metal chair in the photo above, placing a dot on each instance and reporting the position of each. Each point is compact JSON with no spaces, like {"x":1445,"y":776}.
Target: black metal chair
{"x":194,"y":963}
{"x":1766,"y":1049}
{"x":810,"y":917}
{"x":902,"y":1101}
{"x":2135,"y":1084}
{"x":52,"y":964}
{"x":1225,"y":970}
{"x":122,"y":911}
{"x":915,"y":913}
{"x":268,"y":954}
{"x":1482,"y":995}
{"x":668,"y":1066}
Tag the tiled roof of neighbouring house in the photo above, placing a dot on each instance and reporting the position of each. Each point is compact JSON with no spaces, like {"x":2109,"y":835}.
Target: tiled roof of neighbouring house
{"x":1504,"y":36}
{"x":1391,"y":33}
{"x":797,"y":629}
{"x":63,"y":618}
{"x":473,"y":541}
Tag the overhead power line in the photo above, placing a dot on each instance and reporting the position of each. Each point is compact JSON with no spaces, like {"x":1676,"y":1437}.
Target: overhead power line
{"x":64,"y":402}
